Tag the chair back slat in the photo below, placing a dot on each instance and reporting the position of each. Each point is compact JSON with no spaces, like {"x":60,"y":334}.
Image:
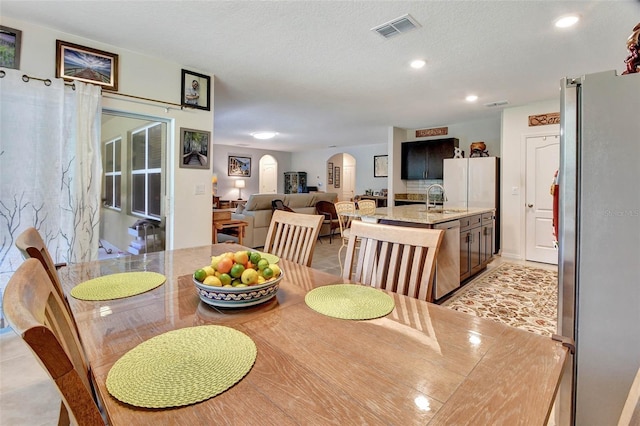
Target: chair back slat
{"x":36,"y":312}
{"x":367,"y":207}
{"x":31,"y":245}
{"x":293,"y":236}
{"x":394,"y":258}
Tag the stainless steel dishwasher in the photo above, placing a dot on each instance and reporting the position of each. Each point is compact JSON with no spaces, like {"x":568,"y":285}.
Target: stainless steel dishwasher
{"x":448,"y":260}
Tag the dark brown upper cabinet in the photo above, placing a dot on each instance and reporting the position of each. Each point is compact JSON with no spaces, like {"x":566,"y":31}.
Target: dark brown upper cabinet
{"x":423,"y":159}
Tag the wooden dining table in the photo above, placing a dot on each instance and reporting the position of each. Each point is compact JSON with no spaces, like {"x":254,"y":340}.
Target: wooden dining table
{"x":421,"y":364}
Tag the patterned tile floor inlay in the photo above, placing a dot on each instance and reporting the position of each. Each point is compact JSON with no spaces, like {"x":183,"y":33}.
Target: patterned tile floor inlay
{"x":517,"y":295}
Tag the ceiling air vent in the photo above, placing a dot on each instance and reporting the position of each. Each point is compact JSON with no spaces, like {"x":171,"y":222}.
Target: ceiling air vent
{"x":495,"y":104}
{"x":399,"y":25}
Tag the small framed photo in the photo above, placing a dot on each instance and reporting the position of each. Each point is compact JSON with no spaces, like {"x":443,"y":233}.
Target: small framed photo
{"x":10,"y":40}
{"x":75,"y":62}
{"x":336,"y":177}
{"x":380,"y":165}
{"x":239,"y":166}
{"x":195,"y":145}
{"x":196,"y":90}
{"x":329,"y":173}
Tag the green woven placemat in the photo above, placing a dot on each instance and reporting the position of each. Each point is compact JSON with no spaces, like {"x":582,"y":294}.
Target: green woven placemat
{"x":117,"y":286}
{"x":272,"y":258}
{"x":350,"y":301}
{"x":182,"y":367}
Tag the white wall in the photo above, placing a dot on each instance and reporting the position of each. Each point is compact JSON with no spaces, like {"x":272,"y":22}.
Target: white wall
{"x":487,"y":131}
{"x":315,"y":164}
{"x":225,"y":189}
{"x":515,"y":130}
{"x":148,"y":77}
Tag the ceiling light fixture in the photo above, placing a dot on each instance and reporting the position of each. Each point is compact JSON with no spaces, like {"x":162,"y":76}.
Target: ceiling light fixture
{"x":264,"y":135}
{"x":567,"y":21}
{"x":417,"y":64}
{"x":471,"y":98}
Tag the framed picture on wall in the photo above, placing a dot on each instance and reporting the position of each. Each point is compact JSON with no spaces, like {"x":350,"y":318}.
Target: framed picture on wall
{"x":194,"y":150}
{"x":196,"y":90}
{"x":380,"y":165}
{"x":10,"y":39}
{"x":329,"y":173}
{"x":75,"y":62}
{"x":239,"y":166}
{"x":336,"y":177}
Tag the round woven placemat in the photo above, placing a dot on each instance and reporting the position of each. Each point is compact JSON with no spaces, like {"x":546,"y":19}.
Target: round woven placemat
{"x":350,"y":301}
{"x":182,"y":367}
{"x":117,"y":286}
{"x":272,"y":258}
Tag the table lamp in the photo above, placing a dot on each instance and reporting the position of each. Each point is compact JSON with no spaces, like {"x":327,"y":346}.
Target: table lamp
{"x":239,"y":184}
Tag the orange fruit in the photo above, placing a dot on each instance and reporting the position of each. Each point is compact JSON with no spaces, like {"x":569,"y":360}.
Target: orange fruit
{"x":224,"y":265}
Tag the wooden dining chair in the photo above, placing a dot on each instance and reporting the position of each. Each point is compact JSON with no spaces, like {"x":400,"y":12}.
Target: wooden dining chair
{"x":35,"y":311}
{"x":31,"y":245}
{"x":328,"y":210}
{"x":367,"y":207}
{"x":343,"y":209}
{"x":293,"y":236}
{"x":396,"y":258}
{"x":630,"y":415}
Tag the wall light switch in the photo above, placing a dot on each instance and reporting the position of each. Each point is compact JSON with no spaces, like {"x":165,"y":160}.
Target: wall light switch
{"x":199,"y":189}
{"x":515,"y":190}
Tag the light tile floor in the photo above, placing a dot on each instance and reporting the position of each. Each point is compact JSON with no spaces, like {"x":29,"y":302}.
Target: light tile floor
{"x":28,"y":397}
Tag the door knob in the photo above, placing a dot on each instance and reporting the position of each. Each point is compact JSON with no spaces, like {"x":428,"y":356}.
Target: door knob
{"x":529,"y":205}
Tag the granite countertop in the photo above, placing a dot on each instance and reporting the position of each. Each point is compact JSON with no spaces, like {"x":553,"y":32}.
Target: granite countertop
{"x":418,"y":214}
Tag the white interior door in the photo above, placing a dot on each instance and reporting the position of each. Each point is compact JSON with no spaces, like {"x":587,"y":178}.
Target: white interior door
{"x":268,"y":175}
{"x":543,"y":159}
{"x":348,"y":182}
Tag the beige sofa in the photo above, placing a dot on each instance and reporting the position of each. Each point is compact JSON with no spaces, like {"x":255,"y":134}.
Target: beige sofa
{"x":257,"y":212}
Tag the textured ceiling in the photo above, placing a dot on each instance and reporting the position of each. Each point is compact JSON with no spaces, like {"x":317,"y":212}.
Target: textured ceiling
{"x":314,"y":72}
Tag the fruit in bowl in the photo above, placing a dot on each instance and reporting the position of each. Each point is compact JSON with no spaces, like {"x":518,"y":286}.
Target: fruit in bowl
{"x":237,"y":279}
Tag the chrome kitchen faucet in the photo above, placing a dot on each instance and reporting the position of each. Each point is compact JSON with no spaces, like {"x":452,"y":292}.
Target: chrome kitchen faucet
{"x":444,"y":197}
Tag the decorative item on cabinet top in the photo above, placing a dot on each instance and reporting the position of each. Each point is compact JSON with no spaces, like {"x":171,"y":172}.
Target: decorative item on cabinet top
{"x":478,"y":149}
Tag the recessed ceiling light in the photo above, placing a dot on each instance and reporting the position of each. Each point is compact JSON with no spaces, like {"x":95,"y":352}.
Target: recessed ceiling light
{"x":264,"y":135}
{"x":471,"y":98}
{"x":567,"y":21}
{"x":417,"y":64}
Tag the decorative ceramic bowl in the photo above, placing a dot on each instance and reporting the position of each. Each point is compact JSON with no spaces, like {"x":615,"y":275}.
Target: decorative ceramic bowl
{"x":238,"y":297}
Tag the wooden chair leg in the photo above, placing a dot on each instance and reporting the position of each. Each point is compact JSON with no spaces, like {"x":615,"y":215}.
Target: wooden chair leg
{"x":63,"y":418}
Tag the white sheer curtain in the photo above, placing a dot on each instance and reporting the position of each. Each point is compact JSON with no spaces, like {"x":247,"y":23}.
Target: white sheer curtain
{"x":50,"y":168}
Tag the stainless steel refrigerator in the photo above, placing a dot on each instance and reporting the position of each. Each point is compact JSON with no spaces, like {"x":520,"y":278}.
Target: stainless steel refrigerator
{"x":599,"y":244}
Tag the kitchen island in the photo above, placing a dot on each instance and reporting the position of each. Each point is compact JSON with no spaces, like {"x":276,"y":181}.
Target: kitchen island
{"x":467,"y":246}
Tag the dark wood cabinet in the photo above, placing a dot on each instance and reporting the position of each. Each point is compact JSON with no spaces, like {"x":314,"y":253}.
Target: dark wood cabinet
{"x":295,"y":182}
{"x":487,"y":245}
{"x":423,"y":159}
{"x":472,"y":257}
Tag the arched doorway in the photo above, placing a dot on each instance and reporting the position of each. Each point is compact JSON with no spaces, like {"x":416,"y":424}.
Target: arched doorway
{"x":342,"y":176}
{"x":268,"y":176}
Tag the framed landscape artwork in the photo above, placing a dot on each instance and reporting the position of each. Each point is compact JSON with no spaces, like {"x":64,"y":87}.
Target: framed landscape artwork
{"x":380,"y":165}
{"x":10,"y":40}
{"x":196,"y":90}
{"x":75,"y":62}
{"x":239,"y":166}
{"x":194,"y":148}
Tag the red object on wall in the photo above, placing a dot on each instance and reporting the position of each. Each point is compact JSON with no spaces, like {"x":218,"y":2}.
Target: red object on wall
{"x":555,"y":192}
